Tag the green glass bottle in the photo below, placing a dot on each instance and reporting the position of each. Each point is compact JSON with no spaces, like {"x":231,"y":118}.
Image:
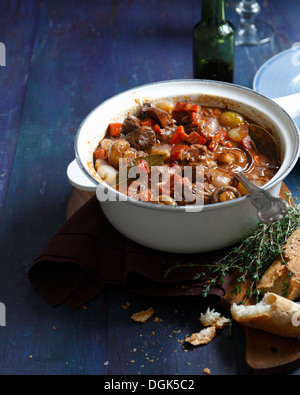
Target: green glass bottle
{"x":213,"y":43}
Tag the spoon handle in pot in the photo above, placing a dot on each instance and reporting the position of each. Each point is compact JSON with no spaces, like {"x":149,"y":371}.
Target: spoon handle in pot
{"x":269,"y":208}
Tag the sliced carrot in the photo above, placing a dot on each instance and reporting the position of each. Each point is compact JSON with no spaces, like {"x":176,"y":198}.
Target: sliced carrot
{"x":100,"y":154}
{"x":156,"y":129}
{"x":147,"y":122}
{"x":114,"y":129}
{"x":179,"y":136}
{"x":196,"y":138}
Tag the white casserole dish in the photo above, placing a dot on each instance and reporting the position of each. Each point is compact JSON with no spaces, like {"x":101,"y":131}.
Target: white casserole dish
{"x":174,"y":229}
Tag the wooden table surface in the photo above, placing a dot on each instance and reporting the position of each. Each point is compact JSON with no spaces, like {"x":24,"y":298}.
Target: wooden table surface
{"x":63,"y":59}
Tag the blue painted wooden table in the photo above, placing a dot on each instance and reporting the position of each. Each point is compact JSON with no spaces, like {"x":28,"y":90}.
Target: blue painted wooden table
{"x":63,"y":59}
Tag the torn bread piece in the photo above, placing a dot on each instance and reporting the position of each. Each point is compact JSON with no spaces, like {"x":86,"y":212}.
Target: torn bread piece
{"x":202,"y":337}
{"x":278,"y":275}
{"x":274,"y":314}
{"x":143,"y":316}
{"x":212,"y":321}
{"x":213,"y":318}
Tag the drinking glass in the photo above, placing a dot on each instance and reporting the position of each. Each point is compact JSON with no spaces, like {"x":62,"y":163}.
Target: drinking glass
{"x":252,"y":30}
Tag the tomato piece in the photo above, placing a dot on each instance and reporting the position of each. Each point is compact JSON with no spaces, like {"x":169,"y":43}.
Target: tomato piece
{"x":186,"y":107}
{"x":114,"y":129}
{"x":220,"y":136}
{"x":212,"y":145}
{"x":195,"y":119}
{"x":177,"y":152}
{"x":179,"y":136}
{"x":247,"y":142}
{"x":196,"y":138}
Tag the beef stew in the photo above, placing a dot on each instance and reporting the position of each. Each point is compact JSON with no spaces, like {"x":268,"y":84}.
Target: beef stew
{"x":164,"y":140}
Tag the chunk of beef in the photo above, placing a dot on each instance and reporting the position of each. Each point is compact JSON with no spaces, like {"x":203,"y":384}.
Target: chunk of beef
{"x":130,"y":123}
{"x":195,"y":154}
{"x":183,"y":118}
{"x":191,"y":121}
{"x":165,"y":134}
{"x":142,"y":138}
{"x":161,"y":117}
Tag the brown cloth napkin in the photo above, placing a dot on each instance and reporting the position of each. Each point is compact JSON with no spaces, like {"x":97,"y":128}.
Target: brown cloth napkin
{"x":88,"y":253}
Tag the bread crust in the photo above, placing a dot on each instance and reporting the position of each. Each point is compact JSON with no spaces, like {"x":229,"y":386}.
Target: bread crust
{"x":278,"y":276}
{"x":274,"y":314}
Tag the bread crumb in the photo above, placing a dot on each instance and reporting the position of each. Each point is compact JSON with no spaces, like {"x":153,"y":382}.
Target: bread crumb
{"x":125,"y":306}
{"x":143,"y":316}
{"x":213,"y":318}
{"x":202,"y":337}
{"x":206,"y":371}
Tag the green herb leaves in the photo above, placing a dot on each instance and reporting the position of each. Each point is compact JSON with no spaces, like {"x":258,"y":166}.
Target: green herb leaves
{"x":254,"y":255}
{"x":249,"y":259}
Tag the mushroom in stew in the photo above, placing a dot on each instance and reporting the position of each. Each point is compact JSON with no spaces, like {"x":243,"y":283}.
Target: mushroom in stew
{"x":173,"y":137}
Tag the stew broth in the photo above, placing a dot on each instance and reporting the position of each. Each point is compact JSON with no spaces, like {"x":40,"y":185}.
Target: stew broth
{"x":162,"y":141}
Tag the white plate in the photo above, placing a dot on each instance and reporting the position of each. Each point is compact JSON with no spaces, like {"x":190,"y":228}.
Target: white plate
{"x":280,"y":76}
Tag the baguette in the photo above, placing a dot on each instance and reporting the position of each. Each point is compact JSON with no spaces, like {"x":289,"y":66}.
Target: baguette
{"x":274,"y":314}
{"x":277,"y":276}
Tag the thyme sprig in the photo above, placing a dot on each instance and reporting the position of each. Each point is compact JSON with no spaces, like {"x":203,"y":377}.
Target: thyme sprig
{"x":251,"y":257}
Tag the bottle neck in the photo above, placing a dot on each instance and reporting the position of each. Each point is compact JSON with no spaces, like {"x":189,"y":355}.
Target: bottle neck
{"x":213,"y":11}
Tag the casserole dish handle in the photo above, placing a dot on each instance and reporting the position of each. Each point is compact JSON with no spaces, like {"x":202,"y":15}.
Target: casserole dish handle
{"x":290,"y":104}
{"x":78,"y":179}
